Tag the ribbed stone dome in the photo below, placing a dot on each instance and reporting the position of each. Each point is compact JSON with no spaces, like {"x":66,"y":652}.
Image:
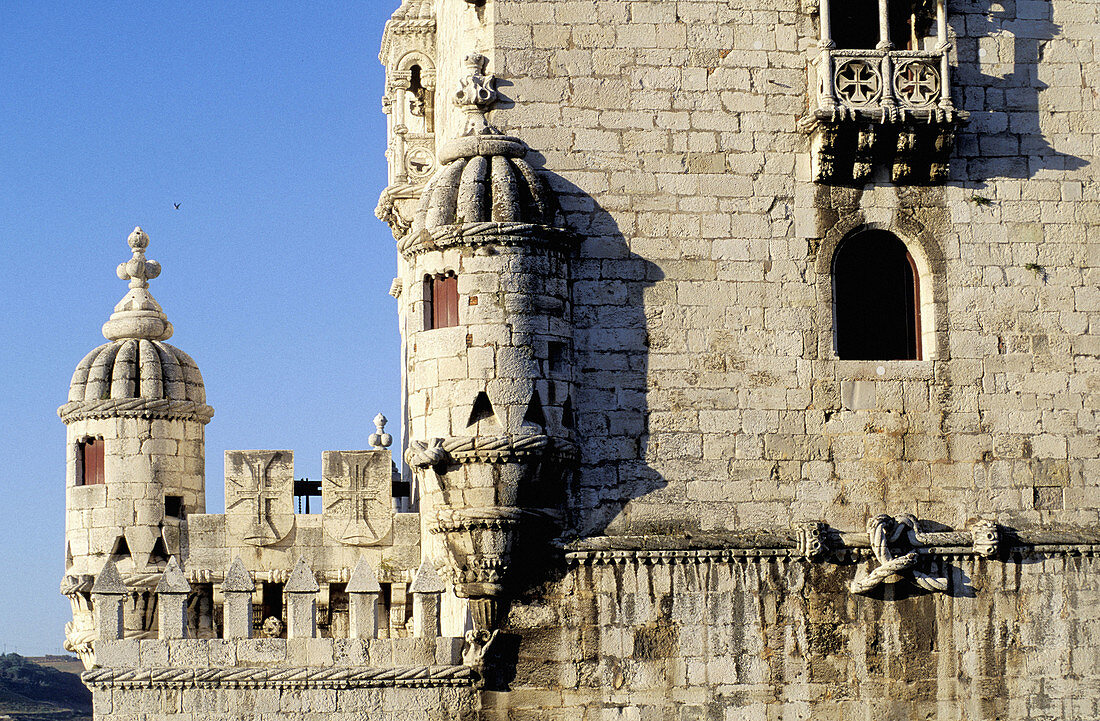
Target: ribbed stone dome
{"x":484,"y":180}
{"x":137,"y":368}
{"x":136,"y":372}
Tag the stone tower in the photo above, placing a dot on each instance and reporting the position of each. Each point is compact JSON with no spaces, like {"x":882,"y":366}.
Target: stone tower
{"x":487,"y":321}
{"x":135,"y":421}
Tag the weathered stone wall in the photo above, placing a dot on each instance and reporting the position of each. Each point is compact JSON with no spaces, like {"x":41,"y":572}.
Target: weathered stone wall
{"x":709,"y":394}
{"x":755,"y":638}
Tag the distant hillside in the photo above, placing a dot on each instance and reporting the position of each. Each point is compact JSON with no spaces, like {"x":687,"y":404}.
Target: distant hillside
{"x":30,"y":692}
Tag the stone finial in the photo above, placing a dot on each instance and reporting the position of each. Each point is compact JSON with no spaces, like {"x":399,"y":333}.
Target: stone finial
{"x":301,"y":590}
{"x":427,"y":580}
{"x":363,"y":591}
{"x":301,"y":579}
{"x":109,"y":582}
{"x":172,"y":594}
{"x":238,"y":579}
{"x":363,"y":579}
{"x":174,"y":580}
{"x":138,"y":315}
{"x":108,"y":591}
{"x":238,"y":587}
{"x":476,"y":96}
{"x":426,"y":588}
{"x":380,"y":439}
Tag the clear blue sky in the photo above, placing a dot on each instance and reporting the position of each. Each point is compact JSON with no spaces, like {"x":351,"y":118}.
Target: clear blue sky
{"x":263,"y":120}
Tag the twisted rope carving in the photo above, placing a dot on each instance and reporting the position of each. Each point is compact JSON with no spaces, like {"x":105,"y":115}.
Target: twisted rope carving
{"x":879,"y":530}
{"x":439,"y":452}
{"x":256,"y":677}
{"x":157,"y":407}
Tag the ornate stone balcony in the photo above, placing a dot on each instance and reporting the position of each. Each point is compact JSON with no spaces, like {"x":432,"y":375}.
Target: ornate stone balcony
{"x":890,"y":107}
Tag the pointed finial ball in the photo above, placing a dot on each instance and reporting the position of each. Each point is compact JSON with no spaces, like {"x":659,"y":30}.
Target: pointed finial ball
{"x":138,"y":240}
{"x":380,"y":439}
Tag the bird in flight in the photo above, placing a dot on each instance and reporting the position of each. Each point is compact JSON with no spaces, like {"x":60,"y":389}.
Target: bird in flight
{"x":177,"y":205}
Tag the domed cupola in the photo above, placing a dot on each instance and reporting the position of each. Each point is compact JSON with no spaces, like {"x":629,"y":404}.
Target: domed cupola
{"x":487,"y":327}
{"x":485,"y":192}
{"x":135,"y":423}
{"x":137,"y":372}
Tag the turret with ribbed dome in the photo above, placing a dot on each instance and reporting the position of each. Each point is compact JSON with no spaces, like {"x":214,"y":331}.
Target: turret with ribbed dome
{"x":487,"y":327}
{"x":135,"y":421}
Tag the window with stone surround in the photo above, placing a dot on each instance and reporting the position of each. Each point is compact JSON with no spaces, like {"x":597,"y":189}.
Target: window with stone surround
{"x":440,"y":301}
{"x":89,"y":462}
{"x":876,"y":298}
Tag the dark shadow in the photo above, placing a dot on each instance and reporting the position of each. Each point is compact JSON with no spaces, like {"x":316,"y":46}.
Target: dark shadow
{"x":1003,"y":137}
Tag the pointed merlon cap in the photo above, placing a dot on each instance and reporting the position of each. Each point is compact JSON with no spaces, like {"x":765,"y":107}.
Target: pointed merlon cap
{"x":138,"y":315}
{"x":173,"y":580}
{"x":301,"y":579}
{"x":363,"y":579}
{"x":109,"y":582}
{"x":238,"y":579}
{"x":427,"y":580}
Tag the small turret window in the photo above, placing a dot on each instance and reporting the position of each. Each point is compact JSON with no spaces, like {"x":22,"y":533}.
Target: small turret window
{"x":89,"y":459}
{"x":440,"y":301}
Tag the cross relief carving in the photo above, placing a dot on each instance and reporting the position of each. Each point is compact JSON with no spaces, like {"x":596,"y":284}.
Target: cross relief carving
{"x":259,"y":495}
{"x":355,"y":488}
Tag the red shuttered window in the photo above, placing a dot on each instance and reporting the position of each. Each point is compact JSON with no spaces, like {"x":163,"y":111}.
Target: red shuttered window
{"x":90,"y":454}
{"x":440,"y":301}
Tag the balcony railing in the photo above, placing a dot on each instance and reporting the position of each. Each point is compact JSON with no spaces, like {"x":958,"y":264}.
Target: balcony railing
{"x":884,"y":85}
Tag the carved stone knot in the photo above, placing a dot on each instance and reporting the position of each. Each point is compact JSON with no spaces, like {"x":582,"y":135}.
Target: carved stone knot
{"x":903,"y":533}
{"x":430,"y":454}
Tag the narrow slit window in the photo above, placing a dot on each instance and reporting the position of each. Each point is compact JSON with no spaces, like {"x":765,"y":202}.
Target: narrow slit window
{"x":440,"y":301}
{"x":876,"y":296}
{"x":90,"y":460}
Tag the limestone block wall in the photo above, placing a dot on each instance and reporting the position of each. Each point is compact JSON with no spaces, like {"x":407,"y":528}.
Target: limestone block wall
{"x":144,"y":461}
{"x":736,"y":634}
{"x":709,"y":394}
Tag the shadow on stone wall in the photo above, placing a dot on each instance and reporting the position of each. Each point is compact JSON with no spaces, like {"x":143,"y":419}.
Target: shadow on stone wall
{"x":1004,"y":137}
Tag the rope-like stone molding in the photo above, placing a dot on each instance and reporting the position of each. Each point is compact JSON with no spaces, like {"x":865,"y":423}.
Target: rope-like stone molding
{"x":489,"y":233}
{"x":281,"y":677}
{"x":439,"y":452}
{"x":159,"y":408}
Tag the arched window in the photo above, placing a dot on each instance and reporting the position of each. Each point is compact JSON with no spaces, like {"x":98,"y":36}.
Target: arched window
{"x":876,"y":298}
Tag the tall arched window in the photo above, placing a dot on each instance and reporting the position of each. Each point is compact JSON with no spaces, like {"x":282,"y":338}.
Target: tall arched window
{"x":876,"y":298}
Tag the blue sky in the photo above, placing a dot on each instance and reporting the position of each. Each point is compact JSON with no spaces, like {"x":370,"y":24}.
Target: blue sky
{"x":263,"y":120}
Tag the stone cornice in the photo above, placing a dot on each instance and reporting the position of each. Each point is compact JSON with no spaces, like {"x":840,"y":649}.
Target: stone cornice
{"x":281,"y":677}
{"x":158,"y":408}
{"x":489,"y":233}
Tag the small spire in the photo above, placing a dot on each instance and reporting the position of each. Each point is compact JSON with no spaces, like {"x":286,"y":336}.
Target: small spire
{"x":427,"y":580}
{"x":109,"y":582}
{"x":476,"y":96}
{"x":301,"y":579}
{"x":173,"y":580}
{"x":380,"y":439}
{"x":138,"y":315}
{"x":363,"y":579}
{"x":238,"y":579}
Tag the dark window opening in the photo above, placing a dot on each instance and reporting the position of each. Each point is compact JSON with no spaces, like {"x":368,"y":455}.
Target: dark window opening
{"x":556,"y":353}
{"x":877,"y":298}
{"x":271,"y":606}
{"x":173,"y":506}
{"x":910,"y":22}
{"x":305,"y":489}
{"x":440,"y":301}
{"x":854,"y":24}
{"x":89,"y":456}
